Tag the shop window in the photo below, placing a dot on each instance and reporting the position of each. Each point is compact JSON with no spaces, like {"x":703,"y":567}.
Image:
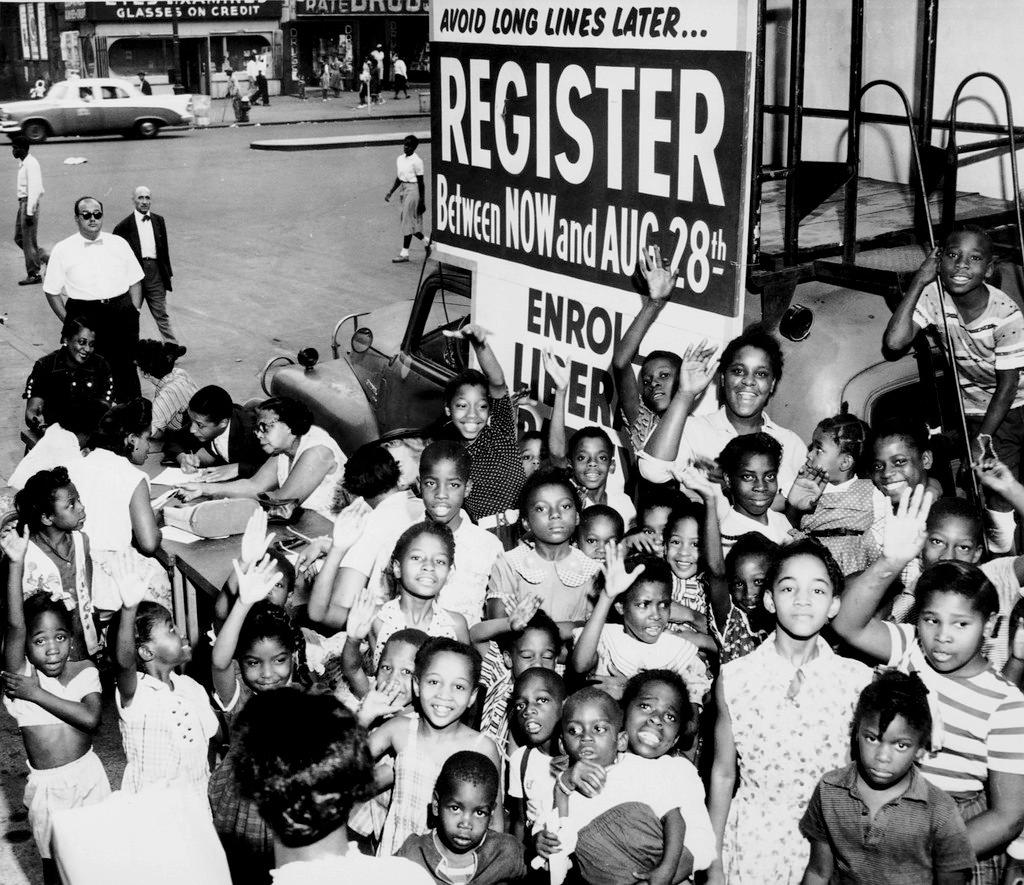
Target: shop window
{"x":129,"y":56}
{"x":235,"y":48}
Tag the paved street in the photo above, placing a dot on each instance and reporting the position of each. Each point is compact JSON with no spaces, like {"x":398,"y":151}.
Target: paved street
{"x":269,"y":250}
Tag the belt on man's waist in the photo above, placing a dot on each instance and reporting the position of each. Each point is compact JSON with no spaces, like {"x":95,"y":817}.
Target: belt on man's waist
{"x":835,"y":533}
{"x":149,"y":259}
{"x":113,"y":300}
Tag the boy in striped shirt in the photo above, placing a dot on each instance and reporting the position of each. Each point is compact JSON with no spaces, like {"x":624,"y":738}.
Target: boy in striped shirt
{"x":978,"y":741}
{"x":986,"y":330}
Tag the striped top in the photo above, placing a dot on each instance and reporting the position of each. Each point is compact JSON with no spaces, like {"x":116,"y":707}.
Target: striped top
{"x":982,"y":719}
{"x":171,"y":396}
{"x":994,"y":341}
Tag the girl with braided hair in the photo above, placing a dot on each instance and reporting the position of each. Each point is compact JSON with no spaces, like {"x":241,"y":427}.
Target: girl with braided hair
{"x":836,"y":507}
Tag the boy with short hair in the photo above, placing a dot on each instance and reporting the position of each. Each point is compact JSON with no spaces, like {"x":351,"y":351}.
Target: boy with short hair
{"x":986,"y":330}
{"x":215,"y":431}
{"x":461,"y":848}
{"x":750,"y":465}
{"x":878,"y":819}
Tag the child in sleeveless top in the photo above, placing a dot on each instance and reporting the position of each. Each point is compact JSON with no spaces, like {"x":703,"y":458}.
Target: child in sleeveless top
{"x":445,"y":686}
{"x":845,"y":513}
{"x":737,"y":618}
{"x":57,"y":561}
{"x":55,"y":701}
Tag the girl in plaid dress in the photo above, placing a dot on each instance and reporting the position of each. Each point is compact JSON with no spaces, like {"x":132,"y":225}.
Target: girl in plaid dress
{"x":254,"y":652}
{"x":445,"y":686}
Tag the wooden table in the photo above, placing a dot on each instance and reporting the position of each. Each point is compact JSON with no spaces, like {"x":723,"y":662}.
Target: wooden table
{"x":205,"y":565}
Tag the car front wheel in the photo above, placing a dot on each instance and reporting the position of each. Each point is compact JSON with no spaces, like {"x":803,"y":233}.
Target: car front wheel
{"x":35,"y":131}
{"x":147,"y":129}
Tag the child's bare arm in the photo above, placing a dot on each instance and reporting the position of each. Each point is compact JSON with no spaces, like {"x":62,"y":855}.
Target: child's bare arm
{"x":901,"y":329}
{"x":14,"y":547}
{"x":1006,"y":389}
{"x":666,"y":872}
{"x":489,"y":365}
{"x":491,"y":628}
{"x":820,"y":866}
{"x":490,"y":750}
{"x":557,"y":450}
{"x":723,"y":779}
{"x":360,"y":622}
{"x":709,"y":493}
{"x":131,"y":590}
{"x":720,"y":601}
{"x":616,"y":581}
{"x":83,"y":715}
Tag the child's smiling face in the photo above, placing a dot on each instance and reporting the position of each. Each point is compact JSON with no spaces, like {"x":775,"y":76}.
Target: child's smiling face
{"x":445,"y":688}
{"x":754,"y":485}
{"x":747,"y":583}
{"x":682,"y":550}
{"x":898,"y":465}
{"x":965,"y":262}
{"x":423,"y":567}
{"x":592,"y":461}
{"x":655,"y":719}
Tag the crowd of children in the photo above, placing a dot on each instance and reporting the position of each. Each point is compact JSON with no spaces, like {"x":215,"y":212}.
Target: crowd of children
{"x":550,"y":659}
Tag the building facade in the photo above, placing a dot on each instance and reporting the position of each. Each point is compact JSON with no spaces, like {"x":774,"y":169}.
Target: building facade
{"x":30,"y":47}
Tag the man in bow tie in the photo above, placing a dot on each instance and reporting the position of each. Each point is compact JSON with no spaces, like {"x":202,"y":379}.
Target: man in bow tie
{"x":95,"y":276}
{"x":146,"y":233}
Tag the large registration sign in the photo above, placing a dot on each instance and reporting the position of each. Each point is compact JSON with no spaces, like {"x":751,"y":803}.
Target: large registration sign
{"x":565,"y":137}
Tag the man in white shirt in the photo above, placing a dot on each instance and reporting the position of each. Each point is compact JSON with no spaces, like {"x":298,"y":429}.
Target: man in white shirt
{"x":401,"y":75}
{"x":94,"y":275}
{"x":30,"y":191}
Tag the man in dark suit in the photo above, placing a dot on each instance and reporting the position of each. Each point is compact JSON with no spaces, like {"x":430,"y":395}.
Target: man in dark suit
{"x":144,"y":86}
{"x":146,"y":233}
{"x":214,"y":432}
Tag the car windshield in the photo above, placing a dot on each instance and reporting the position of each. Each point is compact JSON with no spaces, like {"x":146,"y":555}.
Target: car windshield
{"x":58,"y":92}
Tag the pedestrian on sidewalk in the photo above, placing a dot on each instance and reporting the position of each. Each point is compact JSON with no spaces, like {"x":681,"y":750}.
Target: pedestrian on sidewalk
{"x":262,"y":66}
{"x":146,"y":234}
{"x":375,"y":75}
{"x":401,"y":75}
{"x":102,"y":282}
{"x":30,"y":191}
{"x":412,"y":196}
{"x":364,"y":84}
{"x":144,"y":86}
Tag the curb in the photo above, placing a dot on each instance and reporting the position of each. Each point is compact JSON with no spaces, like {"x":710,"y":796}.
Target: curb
{"x":252,"y":123}
{"x":334,"y":143}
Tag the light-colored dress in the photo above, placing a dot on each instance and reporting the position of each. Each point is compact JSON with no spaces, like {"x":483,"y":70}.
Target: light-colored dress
{"x":391,"y":619}
{"x":790,"y":726}
{"x":321,"y":498}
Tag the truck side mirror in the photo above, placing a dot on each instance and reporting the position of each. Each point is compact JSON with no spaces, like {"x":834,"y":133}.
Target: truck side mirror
{"x":362,"y":340}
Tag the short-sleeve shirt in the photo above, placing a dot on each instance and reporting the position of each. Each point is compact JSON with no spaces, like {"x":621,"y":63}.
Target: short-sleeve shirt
{"x":994,"y":341}
{"x":535,"y":785}
{"x":409,"y":168}
{"x":909,"y":841}
{"x":476,"y":551}
{"x":106,"y":483}
{"x":563,"y":585}
{"x":736,"y":524}
{"x":704,"y":437}
{"x":92,"y":270}
{"x":982,"y":719}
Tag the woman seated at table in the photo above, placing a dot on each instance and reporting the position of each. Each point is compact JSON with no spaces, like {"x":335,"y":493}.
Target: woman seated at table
{"x":305,"y":463}
{"x":62,"y":379}
{"x":173,"y":387}
{"x":118,"y":513}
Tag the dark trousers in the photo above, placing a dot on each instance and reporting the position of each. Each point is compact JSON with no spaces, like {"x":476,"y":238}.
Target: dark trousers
{"x":117,"y":336}
{"x":261,"y":86}
{"x":25,"y":237}
{"x":155,"y":295}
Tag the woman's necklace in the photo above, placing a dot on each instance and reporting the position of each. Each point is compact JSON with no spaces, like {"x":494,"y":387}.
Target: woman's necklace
{"x":61,"y":556}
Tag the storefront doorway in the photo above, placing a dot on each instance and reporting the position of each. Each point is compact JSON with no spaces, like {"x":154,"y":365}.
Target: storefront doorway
{"x":195,"y":74}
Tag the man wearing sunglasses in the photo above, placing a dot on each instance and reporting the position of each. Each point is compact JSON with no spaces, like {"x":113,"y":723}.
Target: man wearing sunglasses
{"x":96,"y":276}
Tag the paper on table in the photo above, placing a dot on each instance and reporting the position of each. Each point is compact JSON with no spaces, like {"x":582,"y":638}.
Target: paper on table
{"x":170,"y":533}
{"x":175,"y":476}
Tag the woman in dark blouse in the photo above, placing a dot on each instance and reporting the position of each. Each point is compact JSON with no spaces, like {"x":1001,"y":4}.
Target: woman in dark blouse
{"x":61,"y":380}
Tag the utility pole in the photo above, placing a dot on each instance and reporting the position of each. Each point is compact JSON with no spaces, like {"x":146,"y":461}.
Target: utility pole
{"x":176,"y":45}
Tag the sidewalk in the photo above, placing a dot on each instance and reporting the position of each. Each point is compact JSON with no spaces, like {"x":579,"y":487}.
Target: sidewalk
{"x":285,"y":109}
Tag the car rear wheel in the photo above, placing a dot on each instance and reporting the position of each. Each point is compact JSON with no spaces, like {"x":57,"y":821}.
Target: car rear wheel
{"x":36,"y":131}
{"x":147,"y":128}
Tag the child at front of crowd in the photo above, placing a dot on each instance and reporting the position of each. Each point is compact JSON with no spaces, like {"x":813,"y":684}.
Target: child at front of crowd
{"x":784,"y":713}
{"x":479,"y":408}
{"x":642,"y":597}
{"x":445,"y":687}
{"x":831,"y":504}
{"x":980,"y":757}
{"x":738,"y":620}
{"x":55,"y":702}
{"x":57,"y":559}
{"x":461,"y":848}
{"x":750,"y":468}
{"x":912,"y":829}
{"x":617,"y":821}
{"x":445,"y":482}
{"x":986,"y":330}
{"x":166,"y":719}
{"x":255,"y":651}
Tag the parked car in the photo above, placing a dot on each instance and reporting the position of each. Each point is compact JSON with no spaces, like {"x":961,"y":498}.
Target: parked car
{"x":96,"y":106}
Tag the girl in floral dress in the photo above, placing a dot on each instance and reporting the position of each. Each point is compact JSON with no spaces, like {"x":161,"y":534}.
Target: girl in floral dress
{"x":784,"y":714}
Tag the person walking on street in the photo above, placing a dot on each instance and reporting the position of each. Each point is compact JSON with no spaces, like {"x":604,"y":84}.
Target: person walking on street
{"x":412,"y":196}
{"x":30,"y":191}
{"x":401,"y":75}
{"x":262,"y":65}
{"x":146,"y":234}
{"x":101,"y":280}
{"x":144,"y":86}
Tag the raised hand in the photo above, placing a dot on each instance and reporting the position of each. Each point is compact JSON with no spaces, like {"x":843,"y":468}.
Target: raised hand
{"x":361,"y":615}
{"x":256,"y":580}
{"x":691,"y":478}
{"x":130,"y":586}
{"x":643,"y":542}
{"x":905,"y":530}
{"x":808,"y":487}
{"x":381,"y":702}
{"x":697,"y":369}
{"x":524,"y":610}
{"x":15,"y":546}
{"x":660,"y":280}
{"x":558,"y":371}
{"x":255,"y":539}
{"x":995,"y":475}
{"x":616,"y":578}
{"x":929,"y":269}
{"x":474,"y":333}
